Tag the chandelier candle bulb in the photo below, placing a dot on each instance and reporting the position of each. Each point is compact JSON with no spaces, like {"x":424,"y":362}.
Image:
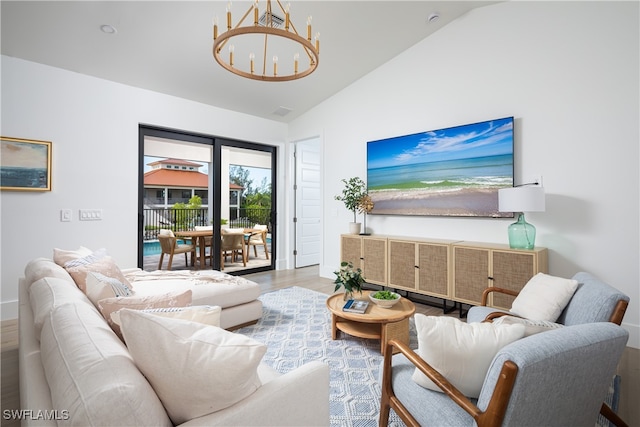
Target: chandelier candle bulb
{"x":251,"y":58}
{"x":275,"y":65}
{"x":318,"y":42}
{"x":215,"y":27}
{"x":309,"y":28}
{"x":255,"y":12}
{"x":229,"y":16}
{"x":231,"y":48}
{"x":295,"y":63}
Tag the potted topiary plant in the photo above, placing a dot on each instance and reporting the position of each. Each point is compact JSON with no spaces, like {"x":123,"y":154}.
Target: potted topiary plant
{"x":353,"y":191}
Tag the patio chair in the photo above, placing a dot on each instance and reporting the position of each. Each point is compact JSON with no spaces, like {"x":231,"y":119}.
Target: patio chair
{"x":170,"y":246}
{"x":258,"y":237}
{"x":555,"y":378}
{"x":232,"y":244}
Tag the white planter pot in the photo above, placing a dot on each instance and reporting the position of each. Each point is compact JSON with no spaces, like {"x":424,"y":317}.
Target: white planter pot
{"x":354,"y":227}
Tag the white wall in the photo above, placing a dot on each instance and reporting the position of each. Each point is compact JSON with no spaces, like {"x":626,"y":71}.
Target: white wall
{"x":568,"y":72}
{"x":93,"y":125}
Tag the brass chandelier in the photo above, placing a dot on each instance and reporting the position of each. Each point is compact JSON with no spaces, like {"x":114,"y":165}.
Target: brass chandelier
{"x":238,"y":49}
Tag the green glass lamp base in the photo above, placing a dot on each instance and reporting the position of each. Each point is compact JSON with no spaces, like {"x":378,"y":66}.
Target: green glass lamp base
{"x":522,"y":235}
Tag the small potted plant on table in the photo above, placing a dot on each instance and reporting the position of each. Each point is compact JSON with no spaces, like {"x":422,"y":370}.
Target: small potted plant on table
{"x":350,"y":278}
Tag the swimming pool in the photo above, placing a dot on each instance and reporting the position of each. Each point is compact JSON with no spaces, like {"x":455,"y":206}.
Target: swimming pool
{"x":152,"y":247}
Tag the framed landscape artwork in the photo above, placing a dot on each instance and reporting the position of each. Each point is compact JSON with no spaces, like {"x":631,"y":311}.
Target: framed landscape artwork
{"x":25,"y":165}
{"x":454,"y":171}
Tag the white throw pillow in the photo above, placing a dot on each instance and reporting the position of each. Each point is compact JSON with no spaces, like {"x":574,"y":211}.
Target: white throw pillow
{"x":100,"y":287}
{"x":532,"y":327}
{"x":461,"y":352}
{"x":194,"y":369}
{"x":544,"y":297}
{"x":205,"y":314}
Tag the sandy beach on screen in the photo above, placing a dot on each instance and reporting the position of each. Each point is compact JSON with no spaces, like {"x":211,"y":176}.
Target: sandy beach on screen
{"x":462,"y":202}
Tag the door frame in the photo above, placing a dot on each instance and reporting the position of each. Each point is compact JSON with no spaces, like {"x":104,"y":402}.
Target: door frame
{"x":216,"y":162}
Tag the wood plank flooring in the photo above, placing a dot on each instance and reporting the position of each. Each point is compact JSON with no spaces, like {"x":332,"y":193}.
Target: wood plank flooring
{"x":308,"y":277}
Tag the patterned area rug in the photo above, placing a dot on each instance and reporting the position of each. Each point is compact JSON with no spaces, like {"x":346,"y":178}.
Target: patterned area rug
{"x":296,"y":327}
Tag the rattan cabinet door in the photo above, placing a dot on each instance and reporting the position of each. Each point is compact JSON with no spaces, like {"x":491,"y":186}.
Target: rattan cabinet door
{"x":374,"y":260}
{"x":512,"y":270}
{"x":402,"y":264}
{"x":351,"y":250}
{"x":433,"y":269}
{"x":470,"y":274}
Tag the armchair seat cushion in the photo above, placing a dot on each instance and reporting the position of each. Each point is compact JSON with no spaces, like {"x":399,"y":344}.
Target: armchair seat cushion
{"x":429,"y":407}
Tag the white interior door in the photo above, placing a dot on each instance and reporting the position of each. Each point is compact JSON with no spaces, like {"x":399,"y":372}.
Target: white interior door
{"x":307,"y":219}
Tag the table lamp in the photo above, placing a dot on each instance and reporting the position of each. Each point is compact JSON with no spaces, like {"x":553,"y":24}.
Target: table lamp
{"x":521,"y":199}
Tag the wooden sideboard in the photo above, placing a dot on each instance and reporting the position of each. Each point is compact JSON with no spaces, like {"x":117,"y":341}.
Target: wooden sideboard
{"x":448,"y":269}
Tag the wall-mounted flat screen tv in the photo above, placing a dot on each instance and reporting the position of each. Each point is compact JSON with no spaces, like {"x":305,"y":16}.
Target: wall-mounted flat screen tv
{"x":455,"y":171}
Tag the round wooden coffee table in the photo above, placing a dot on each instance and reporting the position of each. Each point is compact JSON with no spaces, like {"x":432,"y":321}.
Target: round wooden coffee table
{"x":380,"y":323}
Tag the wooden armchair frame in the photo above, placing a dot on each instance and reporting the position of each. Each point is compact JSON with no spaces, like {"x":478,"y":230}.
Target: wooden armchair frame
{"x":616,"y":316}
{"x":492,"y":417}
{"x":496,"y":409}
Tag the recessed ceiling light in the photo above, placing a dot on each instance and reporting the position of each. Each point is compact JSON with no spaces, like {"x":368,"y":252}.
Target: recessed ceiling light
{"x":433,"y":17}
{"x":108,"y":29}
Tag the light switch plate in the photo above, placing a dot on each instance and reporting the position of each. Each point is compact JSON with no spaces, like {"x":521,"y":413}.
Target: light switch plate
{"x":66,"y":215}
{"x":90,"y":214}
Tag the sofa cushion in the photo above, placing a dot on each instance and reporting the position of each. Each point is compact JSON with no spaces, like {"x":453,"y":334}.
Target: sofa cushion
{"x":169,"y":299}
{"x":461,"y":352}
{"x":531,"y":327}
{"x":195,"y":369}
{"x":91,"y":374}
{"x":38,"y":268}
{"x":206,"y":314}
{"x":49,"y":292}
{"x":209,"y":287}
{"x":544,"y":297}
{"x":101,"y":287}
{"x":105,"y":266}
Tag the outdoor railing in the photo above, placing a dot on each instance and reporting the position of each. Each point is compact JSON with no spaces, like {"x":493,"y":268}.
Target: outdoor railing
{"x":186,"y":219}
{"x":172,"y":219}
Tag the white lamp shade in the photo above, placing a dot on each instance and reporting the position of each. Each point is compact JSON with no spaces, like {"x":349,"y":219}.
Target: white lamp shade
{"x":521,"y":199}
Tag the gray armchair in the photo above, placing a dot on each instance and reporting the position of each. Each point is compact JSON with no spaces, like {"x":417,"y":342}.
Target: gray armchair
{"x":555,"y":378}
{"x":593,"y":301}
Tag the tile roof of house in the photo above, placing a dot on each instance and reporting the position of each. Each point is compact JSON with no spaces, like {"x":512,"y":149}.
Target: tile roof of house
{"x":175,"y":178}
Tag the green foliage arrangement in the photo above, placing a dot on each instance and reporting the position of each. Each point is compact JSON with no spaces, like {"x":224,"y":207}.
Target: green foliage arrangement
{"x":353,"y":191}
{"x":385,"y":295}
{"x":348,"y":277}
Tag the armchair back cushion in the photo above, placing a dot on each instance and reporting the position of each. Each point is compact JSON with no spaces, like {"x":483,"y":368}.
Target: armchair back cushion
{"x":593,"y":301}
{"x":563,"y":374}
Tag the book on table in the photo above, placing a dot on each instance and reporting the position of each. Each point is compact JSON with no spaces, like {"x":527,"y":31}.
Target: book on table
{"x":355,"y":306}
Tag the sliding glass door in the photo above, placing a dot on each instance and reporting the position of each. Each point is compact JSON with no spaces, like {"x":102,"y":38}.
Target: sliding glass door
{"x":192,"y":182}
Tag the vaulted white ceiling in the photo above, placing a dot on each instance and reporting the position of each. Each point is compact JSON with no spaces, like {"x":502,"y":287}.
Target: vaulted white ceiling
{"x":166,"y":46}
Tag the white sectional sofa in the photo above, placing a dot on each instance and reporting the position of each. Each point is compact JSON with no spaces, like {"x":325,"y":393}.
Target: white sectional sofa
{"x":74,"y":370}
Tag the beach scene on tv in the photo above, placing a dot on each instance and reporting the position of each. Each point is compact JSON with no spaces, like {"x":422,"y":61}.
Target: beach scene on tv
{"x":455,"y":171}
